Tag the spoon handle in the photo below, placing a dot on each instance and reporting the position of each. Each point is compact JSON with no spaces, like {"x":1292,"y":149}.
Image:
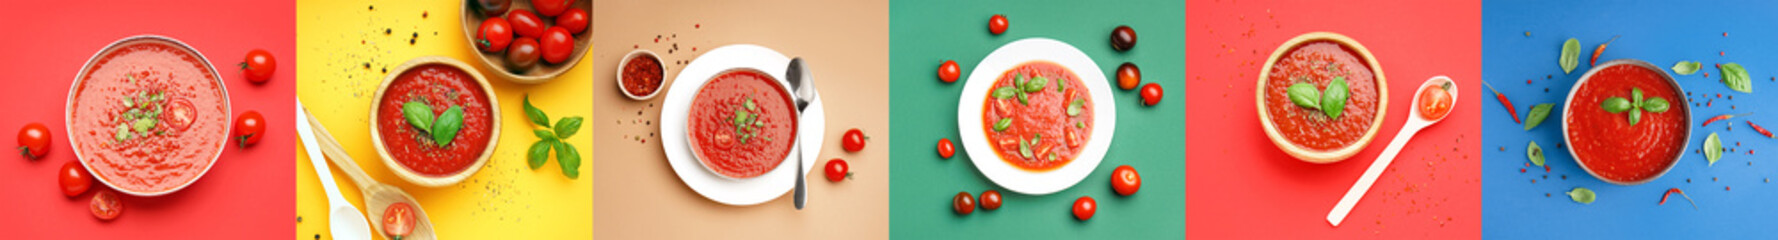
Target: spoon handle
{"x":331,"y":147}
{"x":315,"y":156}
{"x":1370,"y":175}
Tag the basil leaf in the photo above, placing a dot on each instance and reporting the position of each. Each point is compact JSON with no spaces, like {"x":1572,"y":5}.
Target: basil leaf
{"x":1036,"y":84}
{"x":1535,"y":153}
{"x":1570,"y":55}
{"x":1003,"y":124}
{"x":536,"y":115}
{"x":1304,"y":94}
{"x":1712,"y":149}
{"x":1635,"y":116}
{"x":1061,"y":85}
{"x":1538,"y":113}
{"x":569,"y":158}
{"x":539,"y":153}
{"x":1005,"y":92}
{"x":447,"y":124}
{"x":1687,"y":67}
{"x":1615,"y":105}
{"x":1023,"y":100}
{"x":1582,"y":195}
{"x":748,"y":103}
{"x":1657,"y":104}
{"x":1736,"y":78}
{"x":1075,"y":107}
{"x":1024,"y":148}
{"x":1333,"y":101}
{"x":567,"y":127}
{"x":418,"y":114}
{"x":145,"y":124}
{"x":740,"y":117}
{"x":544,"y":134}
{"x":1636,"y":97}
{"x":123,"y":132}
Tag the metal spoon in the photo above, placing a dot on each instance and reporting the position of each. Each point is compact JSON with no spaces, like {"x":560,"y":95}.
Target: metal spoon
{"x":375,"y":193}
{"x":1414,"y":124}
{"x":798,"y":76}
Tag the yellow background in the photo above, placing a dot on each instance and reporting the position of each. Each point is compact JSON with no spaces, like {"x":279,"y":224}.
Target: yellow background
{"x":504,"y":200}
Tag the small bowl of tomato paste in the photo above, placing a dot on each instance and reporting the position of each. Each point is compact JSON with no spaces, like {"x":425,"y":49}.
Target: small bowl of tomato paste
{"x":640,"y":75}
{"x":434,"y":121}
{"x":1616,"y":139}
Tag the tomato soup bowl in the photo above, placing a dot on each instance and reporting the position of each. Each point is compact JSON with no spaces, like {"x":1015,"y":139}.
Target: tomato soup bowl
{"x":211,"y":148}
{"x":784,"y":143}
{"x":480,"y":157}
{"x":977,"y":101}
{"x":1677,"y":119}
{"x":543,"y":71}
{"x":1278,"y":135}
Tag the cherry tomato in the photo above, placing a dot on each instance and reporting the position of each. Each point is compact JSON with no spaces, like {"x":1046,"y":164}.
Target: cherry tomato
{"x":523,"y":53}
{"x":853,"y":141}
{"x":493,"y":8}
{"x":991,"y":200}
{"x":551,"y":7}
{"x":494,"y":35}
{"x":1434,"y":103}
{"x":557,"y":44}
{"x":1123,"y":38}
{"x":75,"y":180}
{"x":837,"y":170}
{"x":1151,"y":94}
{"x":1084,"y":208}
{"x":249,"y":128}
{"x":997,"y":24}
{"x":1128,"y":76}
{"x":525,"y":24}
{"x":963,"y":203}
{"x":106,"y":205}
{"x":34,"y":141}
{"x":1125,"y":180}
{"x":949,"y":71}
{"x":398,"y":220}
{"x":945,"y":149}
{"x":178,"y":114}
{"x":259,"y":66}
{"x":575,"y":20}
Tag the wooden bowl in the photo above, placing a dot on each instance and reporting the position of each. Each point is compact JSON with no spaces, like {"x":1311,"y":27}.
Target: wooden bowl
{"x":543,"y":71}
{"x":376,"y":131}
{"x":1320,"y":156}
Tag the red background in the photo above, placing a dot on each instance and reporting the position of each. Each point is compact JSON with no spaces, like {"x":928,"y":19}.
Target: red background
{"x":1239,"y":185}
{"x":248,"y":193}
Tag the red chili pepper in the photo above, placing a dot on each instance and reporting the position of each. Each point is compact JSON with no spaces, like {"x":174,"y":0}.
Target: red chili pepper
{"x":1722,"y":117}
{"x":1761,"y":130}
{"x":1671,"y":191}
{"x":1503,"y":102}
{"x":1601,"y":49}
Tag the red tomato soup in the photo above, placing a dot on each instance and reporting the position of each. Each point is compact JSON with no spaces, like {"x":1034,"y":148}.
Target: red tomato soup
{"x":440,"y":87}
{"x":1318,"y":63}
{"x":642,"y":75}
{"x":1038,"y":116}
{"x":742,"y":124}
{"x":148,"y":117}
{"x":1607,"y":144}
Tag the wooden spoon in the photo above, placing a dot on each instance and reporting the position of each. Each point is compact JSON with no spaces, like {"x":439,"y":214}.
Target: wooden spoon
{"x":377,"y":196}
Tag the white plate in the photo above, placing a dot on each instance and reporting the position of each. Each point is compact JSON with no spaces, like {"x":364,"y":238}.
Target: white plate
{"x":975,"y":92}
{"x":677,"y":105}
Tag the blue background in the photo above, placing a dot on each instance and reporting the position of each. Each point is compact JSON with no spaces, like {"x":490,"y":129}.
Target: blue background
{"x":1515,"y":207}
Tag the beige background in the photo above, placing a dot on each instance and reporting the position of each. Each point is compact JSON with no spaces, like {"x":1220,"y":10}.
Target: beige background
{"x":845,"y":43}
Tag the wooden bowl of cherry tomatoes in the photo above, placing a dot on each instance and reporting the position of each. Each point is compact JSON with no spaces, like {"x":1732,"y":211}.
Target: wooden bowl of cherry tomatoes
{"x":528,"y":41}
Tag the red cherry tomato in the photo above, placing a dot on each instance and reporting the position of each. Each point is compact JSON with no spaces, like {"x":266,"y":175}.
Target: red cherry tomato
{"x":75,"y":180}
{"x":963,"y":203}
{"x":853,"y":141}
{"x":34,"y":141}
{"x":1084,"y":208}
{"x":525,"y":24}
{"x":1125,"y":180}
{"x":249,"y":128}
{"x":945,"y":149}
{"x":178,"y":114}
{"x":575,"y":20}
{"x":997,"y":24}
{"x":551,"y":7}
{"x":1434,"y":103}
{"x":837,"y":170}
{"x":523,"y":53}
{"x":494,"y":35}
{"x":259,"y":66}
{"x":398,"y":220}
{"x":1151,"y":94}
{"x":991,"y":200}
{"x":949,"y":71}
{"x":106,"y":205}
{"x":557,"y":44}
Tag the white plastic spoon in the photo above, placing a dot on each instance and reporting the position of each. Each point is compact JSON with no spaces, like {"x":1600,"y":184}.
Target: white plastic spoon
{"x":1414,"y":124}
{"x":345,"y":221}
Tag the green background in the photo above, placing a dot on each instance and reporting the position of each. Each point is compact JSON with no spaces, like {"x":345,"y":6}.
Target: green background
{"x":925,"y":33}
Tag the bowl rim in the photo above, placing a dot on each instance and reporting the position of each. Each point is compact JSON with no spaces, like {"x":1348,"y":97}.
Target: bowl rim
{"x":626,"y":61}
{"x":782,"y":84}
{"x":1685,"y":110}
{"x":68,"y":112}
{"x":376,"y":132}
{"x":1318,"y":156}
{"x":582,"y":42}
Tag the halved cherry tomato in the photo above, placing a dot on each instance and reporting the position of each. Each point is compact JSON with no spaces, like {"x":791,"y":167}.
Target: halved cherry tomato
{"x":853,"y":141}
{"x":837,"y":170}
{"x":949,"y":71}
{"x":259,"y":66}
{"x":551,"y":7}
{"x":106,"y":205}
{"x":398,"y":220}
{"x":963,"y":203}
{"x":495,"y":33}
{"x":1434,"y":103}
{"x":945,"y":149}
{"x":575,"y":20}
{"x":1125,"y":180}
{"x":525,"y":23}
{"x":1084,"y":208}
{"x":997,"y":24}
{"x":1151,"y":94}
{"x":1073,"y":140}
{"x":991,"y":200}
{"x":74,"y":179}
{"x":178,"y":114}
{"x":557,"y":44}
{"x":34,"y":141}
{"x":249,"y":128}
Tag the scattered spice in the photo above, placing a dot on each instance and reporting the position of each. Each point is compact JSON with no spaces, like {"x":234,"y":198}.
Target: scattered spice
{"x":1504,"y":102}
